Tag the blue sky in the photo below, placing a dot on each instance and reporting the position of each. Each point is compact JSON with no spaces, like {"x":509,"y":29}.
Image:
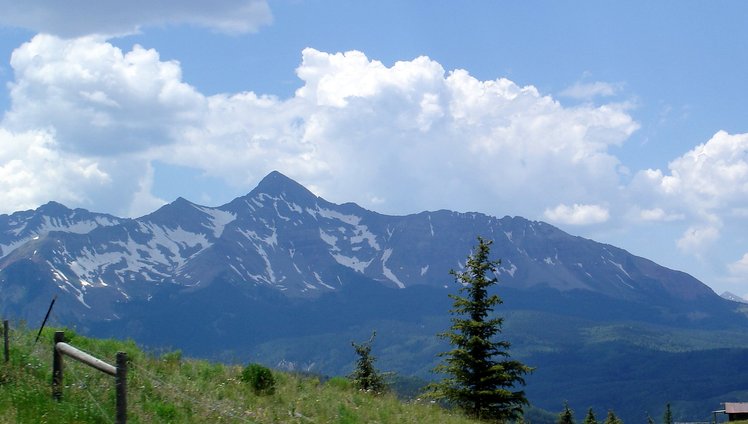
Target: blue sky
{"x":624,"y":122}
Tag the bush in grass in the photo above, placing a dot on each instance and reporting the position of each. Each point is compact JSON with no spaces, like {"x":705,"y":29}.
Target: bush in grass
{"x":259,"y":378}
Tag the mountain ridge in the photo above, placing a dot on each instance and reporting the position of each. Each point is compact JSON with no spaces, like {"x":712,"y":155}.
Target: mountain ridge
{"x":283,"y":236}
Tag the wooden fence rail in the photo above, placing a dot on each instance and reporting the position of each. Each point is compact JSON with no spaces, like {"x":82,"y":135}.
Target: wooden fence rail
{"x":119,"y":372}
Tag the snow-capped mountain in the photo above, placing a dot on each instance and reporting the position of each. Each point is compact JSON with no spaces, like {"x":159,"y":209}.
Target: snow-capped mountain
{"x":283,"y":237}
{"x":732,"y":296}
{"x":21,"y":227}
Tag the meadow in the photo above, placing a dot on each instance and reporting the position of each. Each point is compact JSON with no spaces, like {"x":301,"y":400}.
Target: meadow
{"x":168,"y":388}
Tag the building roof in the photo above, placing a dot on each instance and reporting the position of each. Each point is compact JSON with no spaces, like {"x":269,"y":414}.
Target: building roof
{"x":736,"y":408}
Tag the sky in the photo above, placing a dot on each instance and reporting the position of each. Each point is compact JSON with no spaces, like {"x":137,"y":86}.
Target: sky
{"x":623,"y":122}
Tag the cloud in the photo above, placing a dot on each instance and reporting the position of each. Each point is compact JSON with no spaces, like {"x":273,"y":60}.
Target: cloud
{"x":86,"y":17}
{"x":34,"y":171}
{"x":708,"y":185}
{"x":452,"y":139}
{"x":697,"y":239}
{"x":98,"y":99}
{"x":578,"y":214}
{"x":449,"y":139}
{"x":711,"y":176}
{"x":739,"y":269}
{"x":588,"y":91}
{"x":658,"y":214}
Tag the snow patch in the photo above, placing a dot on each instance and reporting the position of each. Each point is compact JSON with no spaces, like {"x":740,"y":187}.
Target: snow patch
{"x":352,"y":262}
{"x":218,"y":218}
{"x":268,"y":266}
{"x":236,"y":270}
{"x":623,"y":282}
{"x":620,"y":267}
{"x":319,"y":280}
{"x":272,"y":239}
{"x":511,"y":270}
{"x":387,"y":272}
{"x":330,"y":239}
{"x":6,"y":249}
{"x":62,"y":278}
{"x":294,"y":207}
{"x":361,"y":232}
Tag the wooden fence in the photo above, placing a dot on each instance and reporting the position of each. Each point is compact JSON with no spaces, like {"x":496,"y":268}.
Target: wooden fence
{"x":119,"y":372}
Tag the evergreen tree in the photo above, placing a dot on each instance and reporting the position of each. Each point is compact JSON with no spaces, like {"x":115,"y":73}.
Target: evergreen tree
{"x":667,"y":417}
{"x":566,"y":416}
{"x":590,"y":418}
{"x":650,"y":420}
{"x":365,"y":376}
{"x":612,"y":418}
{"x":480,"y":377}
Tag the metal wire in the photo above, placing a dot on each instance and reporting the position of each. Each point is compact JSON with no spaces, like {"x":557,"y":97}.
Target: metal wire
{"x":175,"y":391}
{"x":84,"y":386}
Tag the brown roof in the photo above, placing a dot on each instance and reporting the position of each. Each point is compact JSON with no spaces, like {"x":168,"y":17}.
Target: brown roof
{"x":736,"y":408}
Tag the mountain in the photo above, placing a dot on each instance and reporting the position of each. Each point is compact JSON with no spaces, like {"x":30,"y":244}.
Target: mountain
{"x":281,"y":236}
{"x":285,"y":277}
{"x":732,"y":296}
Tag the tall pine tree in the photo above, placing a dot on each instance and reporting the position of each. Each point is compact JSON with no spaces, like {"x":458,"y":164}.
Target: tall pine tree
{"x":667,"y":417}
{"x":612,"y":418}
{"x":590,"y":418}
{"x":480,"y":377}
{"x":566,"y":416}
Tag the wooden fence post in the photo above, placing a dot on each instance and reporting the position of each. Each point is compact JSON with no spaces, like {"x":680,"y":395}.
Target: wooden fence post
{"x":6,"y":347}
{"x":119,"y":372}
{"x":120,"y":383}
{"x":57,"y":367}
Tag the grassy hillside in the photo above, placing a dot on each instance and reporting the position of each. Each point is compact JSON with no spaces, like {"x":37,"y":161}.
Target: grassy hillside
{"x":167,"y":388}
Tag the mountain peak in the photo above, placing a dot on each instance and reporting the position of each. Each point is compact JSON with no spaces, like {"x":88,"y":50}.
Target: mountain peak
{"x":276,"y":183}
{"x":732,"y":296}
{"x":171,"y":212}
{"x":53,"y":208}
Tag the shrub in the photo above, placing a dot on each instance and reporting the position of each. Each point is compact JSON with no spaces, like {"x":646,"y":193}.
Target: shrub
{"x":259,"y":378}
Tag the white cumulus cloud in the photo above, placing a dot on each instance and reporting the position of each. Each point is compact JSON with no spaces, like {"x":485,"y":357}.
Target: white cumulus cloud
{"x":107,"y":17}
{"x":449,"y":138}
{"x":708,"y":185}
{"x":98,"y":99}
{"x":577,"y":214}
{"x":400,"y":138}
{"x":34,"y":171}
{"x":712,"y":176}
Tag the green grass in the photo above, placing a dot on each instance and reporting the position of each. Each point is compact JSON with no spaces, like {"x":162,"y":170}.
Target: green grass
{"x":171,"y":389}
